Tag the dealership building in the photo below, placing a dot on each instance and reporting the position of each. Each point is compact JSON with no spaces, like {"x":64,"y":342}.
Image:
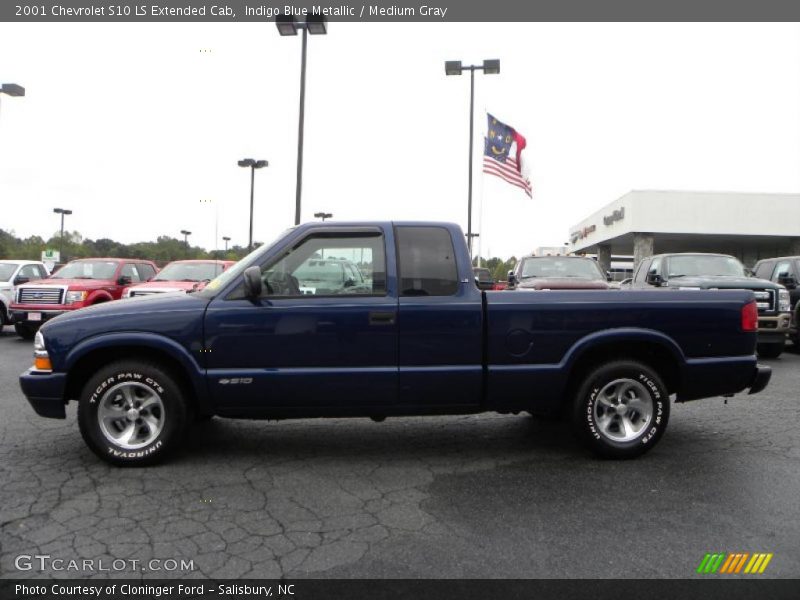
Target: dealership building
{"x":749,"y":226}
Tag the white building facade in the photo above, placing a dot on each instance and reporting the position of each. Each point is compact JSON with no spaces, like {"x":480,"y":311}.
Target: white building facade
{"x":749,"y":226}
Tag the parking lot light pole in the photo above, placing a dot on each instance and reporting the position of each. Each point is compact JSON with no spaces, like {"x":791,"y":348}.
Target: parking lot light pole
{"x":226,"y":239}
{"x":62,"y":212}
{"x":253,"y":164}
{"x":186,"y":235}
{"x":287,"y":26}
{"x":323,"y":215}
{"x":454,"y":67}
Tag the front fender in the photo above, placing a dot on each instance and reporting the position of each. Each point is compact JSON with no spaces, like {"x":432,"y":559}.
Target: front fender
{"x":98,"y":296}
{"x":146,"y":341}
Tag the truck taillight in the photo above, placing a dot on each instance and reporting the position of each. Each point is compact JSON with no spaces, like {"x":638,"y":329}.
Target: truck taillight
{"x":750,"y":316}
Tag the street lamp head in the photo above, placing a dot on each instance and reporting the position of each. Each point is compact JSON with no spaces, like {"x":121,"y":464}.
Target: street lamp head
{"x":62,"y":211}
{"x":12,"y":89}
{"x":286,"y":25}
{"x":491,"y":67}
{"x":226,"y":238}
{"x":452,"y":67}
{"x":316,"y":24}
{"x":323,"y":215}
{"x":184,"y":232}
{"x":247,"y":162}
{"x":260,"y":164}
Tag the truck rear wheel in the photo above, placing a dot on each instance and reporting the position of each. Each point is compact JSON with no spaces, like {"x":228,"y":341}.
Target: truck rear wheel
{"x":132,"y":413}
{"x":621,"y":410}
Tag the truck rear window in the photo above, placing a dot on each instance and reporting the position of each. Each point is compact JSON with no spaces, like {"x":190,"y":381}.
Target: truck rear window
{"x":426,"y":261}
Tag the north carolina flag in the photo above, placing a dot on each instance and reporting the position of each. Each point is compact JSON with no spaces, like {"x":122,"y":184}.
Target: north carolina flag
{"x":502,"y":154}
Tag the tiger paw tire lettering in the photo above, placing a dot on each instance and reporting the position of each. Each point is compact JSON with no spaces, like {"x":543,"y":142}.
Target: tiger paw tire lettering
{"x":132,"y":413}
{"x":622,"y":410}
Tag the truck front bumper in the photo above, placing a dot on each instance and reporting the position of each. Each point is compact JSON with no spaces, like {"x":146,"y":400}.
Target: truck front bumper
{"x":45,"y":392}
{"x":760,"y":379}
{"x":774,"y":329}
{"x":32,"y":316}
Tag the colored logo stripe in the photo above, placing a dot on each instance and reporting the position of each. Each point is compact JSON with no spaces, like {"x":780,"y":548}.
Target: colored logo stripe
{"x":730,"y":563}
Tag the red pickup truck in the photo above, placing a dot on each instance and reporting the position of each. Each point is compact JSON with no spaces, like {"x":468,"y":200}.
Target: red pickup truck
{"x":77,"y":284}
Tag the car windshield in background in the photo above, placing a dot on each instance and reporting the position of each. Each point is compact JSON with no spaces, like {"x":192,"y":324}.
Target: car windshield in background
{"x":89,"y":269}
{"x":705,"y":266}
{"x":561,"y":267}
{"x":6,"y":271}
{"x":189,"y":272}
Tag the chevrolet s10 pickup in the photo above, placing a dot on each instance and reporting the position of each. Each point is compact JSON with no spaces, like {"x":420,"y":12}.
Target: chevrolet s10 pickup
{"x":403,"y":330}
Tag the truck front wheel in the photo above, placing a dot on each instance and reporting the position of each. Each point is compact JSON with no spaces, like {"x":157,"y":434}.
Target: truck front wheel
{"x":770,"y":350}
{"x":132,"y":413}
{"x":621,"y":410}
{"x":26,"y":332}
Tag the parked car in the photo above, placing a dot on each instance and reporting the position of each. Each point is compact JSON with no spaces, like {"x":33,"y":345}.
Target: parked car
{"x":784,"y":271}
{"x":329,"y":277}
{"x":557,"y":273}
{"x":77,"y":284}
{"x":483,"y":278}
{"x":16,"y":272}
{"x":418,"y":339}
{"x":180,"y":276}
{"x":698,"y":271}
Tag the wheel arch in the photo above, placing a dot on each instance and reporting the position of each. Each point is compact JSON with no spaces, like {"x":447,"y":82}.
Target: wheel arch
{"x":93,"y":354}
{"x":651,"y":348}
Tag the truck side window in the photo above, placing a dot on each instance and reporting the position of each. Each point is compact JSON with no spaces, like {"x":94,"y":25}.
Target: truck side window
{"x":763,"y":270}
{"x":782,"y":269}
{"x":30,"y":271}
{"x":129,"y":270}
{"x":641,"y":271}
{"x":426,"y":261}
{"x":330,"y":264}
{"x":146,"y":271}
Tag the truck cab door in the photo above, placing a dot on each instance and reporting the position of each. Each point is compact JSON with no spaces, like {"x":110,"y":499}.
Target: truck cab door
{"x":441,"y":322}
{"x":316,"y":338}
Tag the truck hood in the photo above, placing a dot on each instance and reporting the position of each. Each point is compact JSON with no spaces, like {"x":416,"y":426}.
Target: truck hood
{"x":167,"y":284}
{"x":562,"y":283}
{"x":722,"y":282}
{"x":72,"y":283}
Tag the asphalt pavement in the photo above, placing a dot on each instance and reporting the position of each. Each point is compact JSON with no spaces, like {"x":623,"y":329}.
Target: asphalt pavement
{"x":478,"y":496}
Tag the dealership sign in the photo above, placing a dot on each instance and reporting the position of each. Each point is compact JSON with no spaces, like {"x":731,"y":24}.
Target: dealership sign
{"x":582,"y":233}
{"x":615,"y":216}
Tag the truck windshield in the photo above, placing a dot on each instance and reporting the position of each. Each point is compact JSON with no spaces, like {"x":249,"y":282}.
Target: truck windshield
{"x":705,"y":266}
{"x":236,"y":270}
{"x":553,"y":266}
{"x":6,"y":271}
{"x":87,"y":269}
{"x":183,"y":271}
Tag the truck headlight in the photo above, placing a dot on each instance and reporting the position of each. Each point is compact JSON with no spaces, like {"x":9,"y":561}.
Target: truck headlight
{"x":41,"y":360}
{"x":73,"y":297}
{"x":783,"y":301}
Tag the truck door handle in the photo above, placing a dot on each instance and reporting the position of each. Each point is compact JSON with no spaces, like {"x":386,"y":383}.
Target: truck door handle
{"x":381,"y":318}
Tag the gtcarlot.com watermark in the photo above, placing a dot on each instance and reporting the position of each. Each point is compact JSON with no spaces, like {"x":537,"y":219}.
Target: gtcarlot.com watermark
{"x":45,"y":562}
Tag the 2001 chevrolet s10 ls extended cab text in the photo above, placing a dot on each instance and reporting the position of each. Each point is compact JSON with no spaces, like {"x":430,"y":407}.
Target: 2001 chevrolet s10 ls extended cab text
{"x":403,"y":331}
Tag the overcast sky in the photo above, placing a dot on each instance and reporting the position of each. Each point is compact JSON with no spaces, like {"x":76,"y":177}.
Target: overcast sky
{"x":132,"y":125}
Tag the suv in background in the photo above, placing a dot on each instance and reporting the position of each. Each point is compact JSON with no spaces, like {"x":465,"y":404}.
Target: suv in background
{"x":77,"y":284}
{"x":16,"y":272}
{"x":699,"y":271}
{"x":180,"y":276}
{"x":557,"y":273}
{"x":784,"y":271}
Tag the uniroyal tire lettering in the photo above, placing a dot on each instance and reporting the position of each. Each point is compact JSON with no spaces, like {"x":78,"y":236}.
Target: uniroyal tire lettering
{"x":134,"y":454}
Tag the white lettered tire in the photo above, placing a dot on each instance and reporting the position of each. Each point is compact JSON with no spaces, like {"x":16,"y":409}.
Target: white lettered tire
{"x":621,"y":410}
{"x":132,"y":413}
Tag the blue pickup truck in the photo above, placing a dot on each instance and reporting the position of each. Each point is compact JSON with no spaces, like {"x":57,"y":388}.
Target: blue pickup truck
{"x":408,"y":333}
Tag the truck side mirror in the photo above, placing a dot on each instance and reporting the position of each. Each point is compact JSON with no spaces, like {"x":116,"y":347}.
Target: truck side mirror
{"x":253,"y":285}
{"x":20,"y":279}
{"x":655,"y":279}
{"x":788,"y":281}
{"x":608,"y":276}
{"x":124,"y":280}
{"x":512,"y":279}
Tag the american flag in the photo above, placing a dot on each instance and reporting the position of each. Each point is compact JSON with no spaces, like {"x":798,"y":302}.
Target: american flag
{"x":502,"y":154}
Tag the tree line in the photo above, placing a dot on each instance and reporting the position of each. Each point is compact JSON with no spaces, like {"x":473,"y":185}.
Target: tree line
{"x":162,"y":251}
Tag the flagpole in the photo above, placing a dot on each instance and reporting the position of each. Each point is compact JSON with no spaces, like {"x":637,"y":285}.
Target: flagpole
{"x":480,"y":211}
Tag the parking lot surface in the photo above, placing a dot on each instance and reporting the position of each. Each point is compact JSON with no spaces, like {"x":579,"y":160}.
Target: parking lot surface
{"x":477,"y":496}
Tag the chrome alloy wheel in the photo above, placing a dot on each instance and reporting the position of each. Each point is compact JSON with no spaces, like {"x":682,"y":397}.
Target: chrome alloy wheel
{"x":623,"y":409}
{"x":131,"y":415}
